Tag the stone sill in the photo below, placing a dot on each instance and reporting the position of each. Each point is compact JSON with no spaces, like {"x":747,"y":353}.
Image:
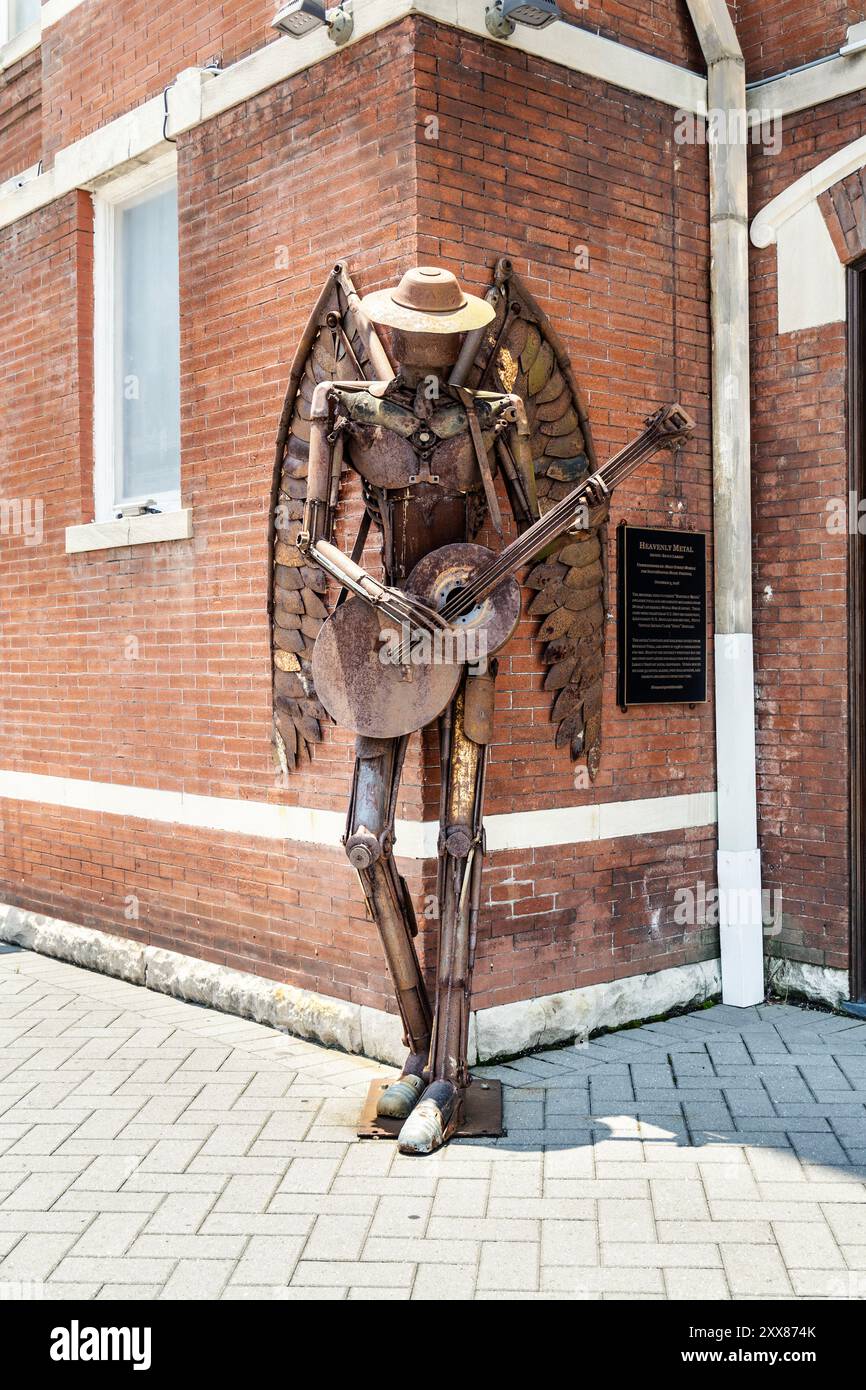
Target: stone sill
{"x":22,"y":44}
{"x":130,"y":530}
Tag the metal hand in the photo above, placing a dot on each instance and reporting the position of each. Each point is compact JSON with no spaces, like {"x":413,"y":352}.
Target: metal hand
{"x":414,"y":611}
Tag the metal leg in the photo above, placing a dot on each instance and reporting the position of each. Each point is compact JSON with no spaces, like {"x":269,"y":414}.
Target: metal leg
{"x":465,"y":734}
{"x":369,"y":844}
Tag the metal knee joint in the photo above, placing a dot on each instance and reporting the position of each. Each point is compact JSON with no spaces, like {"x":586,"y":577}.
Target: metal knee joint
{"x":456,"y":840}
{"x":364,"y":848}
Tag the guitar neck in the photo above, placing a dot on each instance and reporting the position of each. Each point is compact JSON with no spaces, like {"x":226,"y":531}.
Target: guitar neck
{"x":559,"y":519}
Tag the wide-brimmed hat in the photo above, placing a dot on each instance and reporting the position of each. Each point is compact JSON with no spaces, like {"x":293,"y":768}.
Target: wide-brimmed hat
{"x":428,"y":300}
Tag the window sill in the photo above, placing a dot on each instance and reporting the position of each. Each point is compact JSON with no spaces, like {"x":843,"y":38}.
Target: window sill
{"x":22,"y":44}
{"x":131,"y":530}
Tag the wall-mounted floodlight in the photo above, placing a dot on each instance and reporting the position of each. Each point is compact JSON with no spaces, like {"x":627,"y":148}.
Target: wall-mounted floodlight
{"x":503,"y":16}
{"x":301,"y":17}
{"x":855,"y":40}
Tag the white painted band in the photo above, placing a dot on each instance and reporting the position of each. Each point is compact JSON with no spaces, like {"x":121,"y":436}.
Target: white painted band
{"x":304,"y":824}
{"x":739,"y":861}
{"x":799,"y":91}
{"x":810,"y":278}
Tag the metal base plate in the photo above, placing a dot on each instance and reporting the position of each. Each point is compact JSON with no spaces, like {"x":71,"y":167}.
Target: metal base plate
{"x":482,"y":1113}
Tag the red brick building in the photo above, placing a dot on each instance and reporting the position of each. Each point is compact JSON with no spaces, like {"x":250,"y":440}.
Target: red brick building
{"x":174,"y":187}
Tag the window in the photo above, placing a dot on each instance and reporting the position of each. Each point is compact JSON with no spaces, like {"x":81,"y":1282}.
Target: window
{"x":16,"y":16}
{"x":137,"y":342}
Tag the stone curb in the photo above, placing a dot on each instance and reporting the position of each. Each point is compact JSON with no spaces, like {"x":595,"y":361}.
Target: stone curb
{"x":503,"y":1031}
{"x":818,"y":982}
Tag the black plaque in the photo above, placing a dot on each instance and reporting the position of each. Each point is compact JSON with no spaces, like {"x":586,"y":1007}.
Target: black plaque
{"x":661,"y":621}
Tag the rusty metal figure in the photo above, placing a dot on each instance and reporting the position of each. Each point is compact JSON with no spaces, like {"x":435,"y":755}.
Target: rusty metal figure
{"x":426,"y":449}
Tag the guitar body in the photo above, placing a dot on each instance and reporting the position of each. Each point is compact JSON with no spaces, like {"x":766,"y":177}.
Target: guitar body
{"x":381,"y":683}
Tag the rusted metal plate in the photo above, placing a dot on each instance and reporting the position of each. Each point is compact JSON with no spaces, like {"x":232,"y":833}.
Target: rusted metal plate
{"x":482,"y":1113}
{"x":364,"y":689}
{"x":448,"y":570}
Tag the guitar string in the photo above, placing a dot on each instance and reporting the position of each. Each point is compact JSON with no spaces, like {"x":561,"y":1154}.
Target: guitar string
{"x":538,"y":536}
{"x":515,"y":555}
{"x":612,"y":473}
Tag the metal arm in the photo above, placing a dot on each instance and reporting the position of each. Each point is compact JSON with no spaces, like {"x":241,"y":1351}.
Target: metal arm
{"x":323,"y":486}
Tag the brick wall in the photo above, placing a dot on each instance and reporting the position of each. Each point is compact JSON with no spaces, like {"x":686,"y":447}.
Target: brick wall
{"x":535,"y":163}
{"x":575,"y":915}
{"x":192,"y":708}
{"x":800,"y":578}
{"x":20,"y":115}
{"x":335,"y":162}
{"x":779,"y":34}
{"x":844,"y":209}
{"x":660,"y":27}
{"x":154,"y":42}
{"x":142,"y":53}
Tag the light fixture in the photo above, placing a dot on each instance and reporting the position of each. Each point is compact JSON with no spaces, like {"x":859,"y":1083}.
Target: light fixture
{"x":503,"y":16}
{"x":301,"y":17}
{"x":855,"y":40}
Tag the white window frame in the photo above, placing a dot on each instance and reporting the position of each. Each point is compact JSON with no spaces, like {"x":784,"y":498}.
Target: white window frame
{"x":145,"y":178}
{"x":14,"y":47}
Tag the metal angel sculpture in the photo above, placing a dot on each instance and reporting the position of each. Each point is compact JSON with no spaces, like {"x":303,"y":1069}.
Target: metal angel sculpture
{"x":480,"y":387}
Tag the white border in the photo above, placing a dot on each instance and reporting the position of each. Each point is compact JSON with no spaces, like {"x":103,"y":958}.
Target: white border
{"x":810,"y":278}
{"x":563,"y":825}
{"x":799,"y":91}
{"x":566,"y":45}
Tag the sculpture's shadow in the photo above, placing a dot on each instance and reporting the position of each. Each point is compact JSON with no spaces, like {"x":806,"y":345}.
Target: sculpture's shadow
{"x":775,"y":1093}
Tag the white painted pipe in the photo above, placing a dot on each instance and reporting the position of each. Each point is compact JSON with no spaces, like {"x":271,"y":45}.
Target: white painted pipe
{"x":739,"y":862}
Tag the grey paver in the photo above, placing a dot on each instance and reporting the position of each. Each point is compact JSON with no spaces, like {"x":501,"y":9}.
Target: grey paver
{"x":691,"y":1284}
{"x":198,"y":1279}
{"x":445,"y":1282}
{"x":755,"y":1269}
{"x":149,"y":1149}
{"x":111,"y":1233}
{"x":33,"y":1257}
{"x":268,"y":1260}
{"x":507,"y":1265}
{"x":807,"y":1245}
{"x":337,"y":1237}
{"x":571,"y":1243}
{"x":661,"y":1254}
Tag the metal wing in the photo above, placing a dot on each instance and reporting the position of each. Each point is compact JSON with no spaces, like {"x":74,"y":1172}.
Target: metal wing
{"x":332,"y":348}
{"x":521,"y":352}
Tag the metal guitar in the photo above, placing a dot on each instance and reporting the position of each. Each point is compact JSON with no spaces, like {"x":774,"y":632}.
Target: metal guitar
{"x":386,"y":664}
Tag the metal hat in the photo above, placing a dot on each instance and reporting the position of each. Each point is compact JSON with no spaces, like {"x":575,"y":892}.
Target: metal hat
{"x":428,"y":300}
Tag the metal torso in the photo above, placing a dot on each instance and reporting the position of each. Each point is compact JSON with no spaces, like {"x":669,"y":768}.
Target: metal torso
{"x":418,"y":464}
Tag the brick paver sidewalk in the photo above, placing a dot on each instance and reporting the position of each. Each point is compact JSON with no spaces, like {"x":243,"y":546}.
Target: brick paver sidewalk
{"x":150,"y":1148}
